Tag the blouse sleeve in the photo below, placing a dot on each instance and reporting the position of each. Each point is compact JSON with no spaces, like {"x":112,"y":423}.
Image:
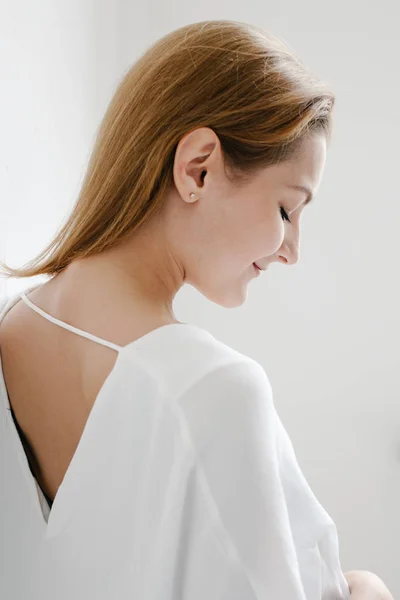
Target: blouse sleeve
{"x":234,"y":428}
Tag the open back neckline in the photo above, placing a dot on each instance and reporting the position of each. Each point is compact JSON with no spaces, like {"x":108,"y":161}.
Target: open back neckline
{"x":59,"y":510}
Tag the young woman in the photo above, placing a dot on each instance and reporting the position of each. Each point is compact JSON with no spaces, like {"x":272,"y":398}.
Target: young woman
{"x":140,"y":456}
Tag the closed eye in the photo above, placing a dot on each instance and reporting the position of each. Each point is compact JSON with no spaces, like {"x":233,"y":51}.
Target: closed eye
{"x":284,"y":214}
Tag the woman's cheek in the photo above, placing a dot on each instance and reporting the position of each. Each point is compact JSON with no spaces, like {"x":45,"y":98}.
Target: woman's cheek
{"x":277,"y":236}
{"x":268,"y":233}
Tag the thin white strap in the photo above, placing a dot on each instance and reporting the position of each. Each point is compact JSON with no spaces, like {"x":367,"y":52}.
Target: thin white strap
{"x":85,"y":334}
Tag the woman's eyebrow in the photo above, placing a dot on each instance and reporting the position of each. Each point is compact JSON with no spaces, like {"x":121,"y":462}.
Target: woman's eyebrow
{"x":306,"y":190}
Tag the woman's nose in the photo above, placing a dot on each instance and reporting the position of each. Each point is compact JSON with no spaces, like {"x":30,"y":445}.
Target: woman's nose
{"x":289,"y":253}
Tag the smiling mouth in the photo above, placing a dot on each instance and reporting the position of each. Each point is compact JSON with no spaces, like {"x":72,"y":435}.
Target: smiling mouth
{"x":257,"y":269}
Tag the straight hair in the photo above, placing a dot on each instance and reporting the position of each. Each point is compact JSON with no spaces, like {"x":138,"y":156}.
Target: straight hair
{"x":240,"y":81}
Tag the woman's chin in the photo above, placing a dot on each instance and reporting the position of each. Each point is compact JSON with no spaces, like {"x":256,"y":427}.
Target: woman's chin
{"x":229,"y":298}
{"x":226,"y":293}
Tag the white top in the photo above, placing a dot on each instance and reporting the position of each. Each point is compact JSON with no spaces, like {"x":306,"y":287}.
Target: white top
{"x":184,"y":486}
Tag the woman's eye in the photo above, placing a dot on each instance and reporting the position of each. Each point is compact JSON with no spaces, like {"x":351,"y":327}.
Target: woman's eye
{"x":284,"y":214}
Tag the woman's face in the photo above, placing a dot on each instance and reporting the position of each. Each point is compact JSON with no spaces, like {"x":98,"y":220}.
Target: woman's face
{"x":219,"y":236}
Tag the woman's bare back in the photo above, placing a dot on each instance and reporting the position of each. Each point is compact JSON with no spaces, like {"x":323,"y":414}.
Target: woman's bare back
{"x":53,"y":377}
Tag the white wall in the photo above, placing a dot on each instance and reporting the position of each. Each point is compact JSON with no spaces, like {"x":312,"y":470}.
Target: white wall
{"x":60,"y":62}
{"x":326,"y":330}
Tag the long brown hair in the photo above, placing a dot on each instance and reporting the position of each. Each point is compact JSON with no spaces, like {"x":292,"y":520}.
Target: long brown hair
{"x":235,"y":78}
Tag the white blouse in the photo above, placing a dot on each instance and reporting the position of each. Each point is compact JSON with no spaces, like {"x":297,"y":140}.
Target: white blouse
{"x":184,"y":486}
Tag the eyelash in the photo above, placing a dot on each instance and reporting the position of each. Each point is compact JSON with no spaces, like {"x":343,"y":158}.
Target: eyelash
{"x":284,"y":214}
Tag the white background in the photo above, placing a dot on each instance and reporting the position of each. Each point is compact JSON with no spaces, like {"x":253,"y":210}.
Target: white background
{"x":327,"y":330}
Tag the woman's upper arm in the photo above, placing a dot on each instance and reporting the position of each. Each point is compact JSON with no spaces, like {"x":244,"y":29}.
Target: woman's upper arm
{"x":232,"y":422}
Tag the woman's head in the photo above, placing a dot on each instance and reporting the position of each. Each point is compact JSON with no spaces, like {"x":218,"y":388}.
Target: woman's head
{"x":231,"y":226}
{"x":218,"y":108}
